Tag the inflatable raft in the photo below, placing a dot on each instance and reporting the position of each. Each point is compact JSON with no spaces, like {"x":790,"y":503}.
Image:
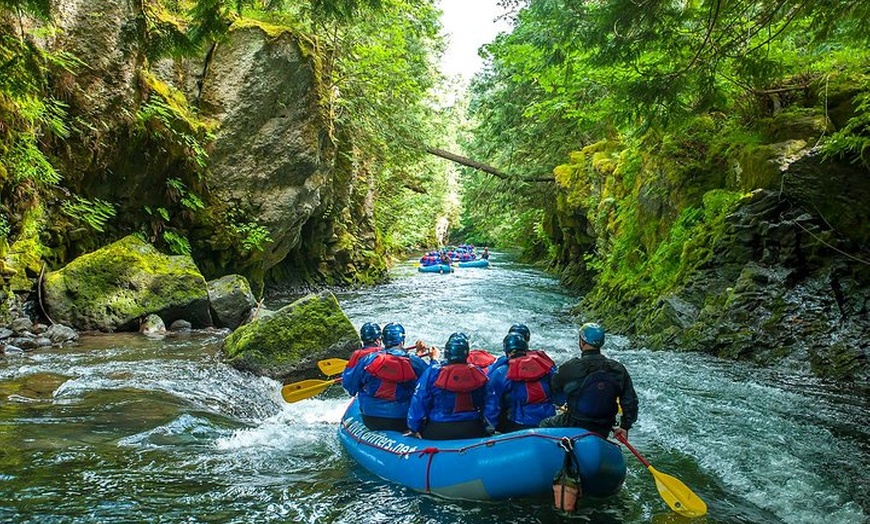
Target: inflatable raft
{"x":518,"y":464}
{"x":481,"y":262}
{"x":436,"y":268}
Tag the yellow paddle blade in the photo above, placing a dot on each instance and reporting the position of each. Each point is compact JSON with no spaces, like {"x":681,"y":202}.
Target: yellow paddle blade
{"x":678,"y":496}
{"x":332,"y":366}
{"x":304,"y":389}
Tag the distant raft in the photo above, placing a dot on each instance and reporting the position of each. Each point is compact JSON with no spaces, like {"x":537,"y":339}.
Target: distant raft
{"x":518,"y":464}
{"x":435,"y":268}
{"x":481,"y":262}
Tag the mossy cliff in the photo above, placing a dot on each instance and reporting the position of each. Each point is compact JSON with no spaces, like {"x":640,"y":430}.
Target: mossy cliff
{"x":227,"y":153}
{"x":743,"y":241}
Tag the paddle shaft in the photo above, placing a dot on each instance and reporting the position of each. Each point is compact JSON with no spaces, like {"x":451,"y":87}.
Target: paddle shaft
{"x":637,"y":454}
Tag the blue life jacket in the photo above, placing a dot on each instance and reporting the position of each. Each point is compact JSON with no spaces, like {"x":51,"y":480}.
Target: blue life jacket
{"x":384,"y":382}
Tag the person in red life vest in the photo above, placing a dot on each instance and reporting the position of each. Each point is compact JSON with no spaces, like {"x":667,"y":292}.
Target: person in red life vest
{"x":593,"y":384}
{"x":370,"y":334}
{"x":478,"y":357}
{"x":522,"y":384}
{"x":384,"y":381}
{"x":453,"y":399}
{"x":520,"y":329}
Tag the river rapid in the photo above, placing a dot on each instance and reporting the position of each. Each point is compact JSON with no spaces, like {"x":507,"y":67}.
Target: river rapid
{"x":125,"y":428}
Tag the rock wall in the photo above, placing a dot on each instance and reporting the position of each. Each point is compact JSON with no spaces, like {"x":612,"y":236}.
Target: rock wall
{"x":781,"y":277}
{"x":256,"y":103}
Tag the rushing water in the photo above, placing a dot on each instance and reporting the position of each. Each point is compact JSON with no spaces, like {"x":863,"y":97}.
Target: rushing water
{"x":130,"y":429}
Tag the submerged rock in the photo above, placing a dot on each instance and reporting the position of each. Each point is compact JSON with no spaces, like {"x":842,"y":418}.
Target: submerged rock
{"x":287,"y":344}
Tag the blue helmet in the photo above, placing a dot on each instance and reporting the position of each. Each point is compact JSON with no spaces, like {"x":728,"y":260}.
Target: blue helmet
{"x":369,"y":333}
{"x":393,"y":335}
{"x":522,"y":330}
{"x":458,"y":335}
{"x":592,"y":334}
{"x":514,"y":343}
{"x":456,"y":349}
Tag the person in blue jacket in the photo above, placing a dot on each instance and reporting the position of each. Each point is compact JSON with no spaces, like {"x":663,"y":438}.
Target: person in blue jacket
{"x":370,"y":335}
{"x":384,"y":382}
{"x":522,"y":384}
{"x":453,"y":399}
{"x":520,"y":329}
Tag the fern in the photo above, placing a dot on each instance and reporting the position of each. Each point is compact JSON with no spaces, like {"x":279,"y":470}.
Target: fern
{"x":853,"y":140}
{"x":177,"y":243}
{"x":95,"y":213}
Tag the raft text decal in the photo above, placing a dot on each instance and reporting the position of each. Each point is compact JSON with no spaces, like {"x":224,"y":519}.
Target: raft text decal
{"x":360,"y":431}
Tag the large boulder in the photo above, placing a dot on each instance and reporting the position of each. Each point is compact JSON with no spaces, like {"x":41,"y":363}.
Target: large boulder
{"x":114,"y":287}
{"x":231,"y":300}
{"x":288,"y":344}
{"x":272,"y":156}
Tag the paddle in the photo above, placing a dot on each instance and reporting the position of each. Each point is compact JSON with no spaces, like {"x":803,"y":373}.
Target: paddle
{"x":331,"y":366}
{"x":676,"y":494}
{"x":305,"y":389}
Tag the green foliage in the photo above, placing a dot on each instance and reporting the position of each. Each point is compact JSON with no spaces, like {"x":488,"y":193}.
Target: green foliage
{"x":166,"y":117}
{"x":179,"y":192}
{"x":252,"y":236}
{"x":178,"y":243}
{"x":852,"y":141}
{"x":94,"y":213}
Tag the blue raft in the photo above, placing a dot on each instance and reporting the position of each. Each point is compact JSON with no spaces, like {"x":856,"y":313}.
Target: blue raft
{"x":480,"y":262}
{"x":435,"y":268}
{"x":519,"y":464}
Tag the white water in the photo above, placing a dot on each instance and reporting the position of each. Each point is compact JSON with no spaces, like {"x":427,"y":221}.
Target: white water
{"x":139,"y":430}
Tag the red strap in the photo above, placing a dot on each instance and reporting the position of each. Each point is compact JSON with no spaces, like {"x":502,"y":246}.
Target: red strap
{"x":480,"y":358}
{"x":392,"y":368}
{"x":359,"y":354}
{"x":532,"y":366}
{"x":460,"y":378}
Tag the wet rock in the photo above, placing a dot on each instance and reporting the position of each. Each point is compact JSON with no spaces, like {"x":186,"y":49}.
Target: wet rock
{"x":60,"y":334}
{"x":5,"y":333}
{"x":42,"y":342}
{"x":9,"y":349}
{"x":231,"y":300}
{"x":113,"y":287}
{"x":180,"y":326}
{"x":21,"y":325}
{"x":24,"y":343}
{"x":152,"y":326}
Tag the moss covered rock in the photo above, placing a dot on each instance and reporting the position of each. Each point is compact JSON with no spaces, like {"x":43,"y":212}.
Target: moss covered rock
{"x":287,"y":345}
{"x":114,"y":287}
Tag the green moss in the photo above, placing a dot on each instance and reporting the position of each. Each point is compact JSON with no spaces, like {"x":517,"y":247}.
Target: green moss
{"x":120,"y":283}
{"x":295,"y":331}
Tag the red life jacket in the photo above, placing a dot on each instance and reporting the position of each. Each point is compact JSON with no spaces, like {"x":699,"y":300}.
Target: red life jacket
{"x":480,"y":358}
{"x":531,"y":369}
{"x":461,"y":379}
{"x":392,"y":370}
{"x":359,"y":354}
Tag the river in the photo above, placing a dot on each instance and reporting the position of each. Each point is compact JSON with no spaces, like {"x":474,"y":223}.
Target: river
{"x":125,"y":428}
